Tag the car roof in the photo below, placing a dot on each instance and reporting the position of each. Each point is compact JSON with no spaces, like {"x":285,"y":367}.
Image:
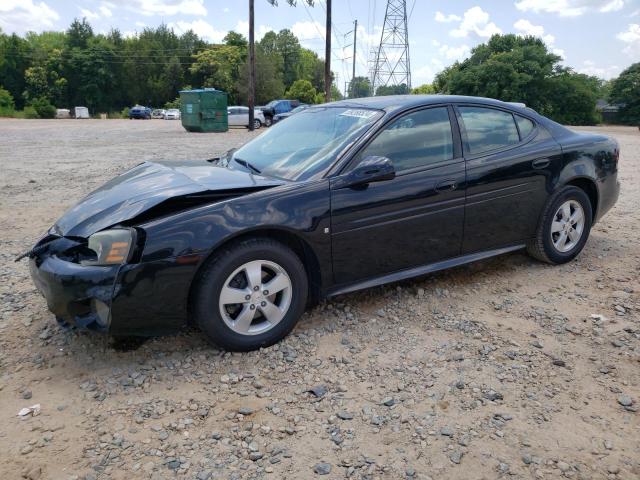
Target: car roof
{"x":394,"y":102}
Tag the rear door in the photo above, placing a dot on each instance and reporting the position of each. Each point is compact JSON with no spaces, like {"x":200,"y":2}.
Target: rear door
{"x":243,"y":116}
{"x":412,"y":220}
{"x":510,"y":164}
{"x":234,"y":116}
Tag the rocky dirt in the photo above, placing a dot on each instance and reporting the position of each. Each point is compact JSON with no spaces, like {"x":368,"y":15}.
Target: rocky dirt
{"x":507,"y":368}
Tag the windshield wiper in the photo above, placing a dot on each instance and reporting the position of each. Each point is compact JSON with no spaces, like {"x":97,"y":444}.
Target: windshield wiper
{"x":246,"y":165}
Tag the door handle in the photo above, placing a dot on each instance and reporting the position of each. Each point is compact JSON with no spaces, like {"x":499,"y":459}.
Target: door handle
{"x":446,"y":186}
{"x":540,"y":163}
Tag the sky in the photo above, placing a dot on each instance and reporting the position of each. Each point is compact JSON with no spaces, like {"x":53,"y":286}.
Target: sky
{"x":597,"y":37}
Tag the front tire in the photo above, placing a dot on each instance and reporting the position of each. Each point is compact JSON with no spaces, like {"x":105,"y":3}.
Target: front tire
{"x":257,"y":124}
{"x":564,"y":227}
{"x":250,"y":294}
{"x":268,"y":121}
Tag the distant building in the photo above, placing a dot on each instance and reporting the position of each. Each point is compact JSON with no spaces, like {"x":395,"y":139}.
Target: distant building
{"x":609,"y":112}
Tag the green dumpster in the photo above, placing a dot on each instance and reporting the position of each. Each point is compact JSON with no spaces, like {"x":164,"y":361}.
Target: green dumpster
{"x":204,"y":110}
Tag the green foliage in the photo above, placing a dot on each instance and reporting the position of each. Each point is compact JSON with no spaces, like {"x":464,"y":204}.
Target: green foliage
{"x":124,"y":113}
{"x":235,"y":39}
{"x":288,"y":46}
{"x":392,"y":90}
{"x":572,"y":98}
{"x":302,"y":90}
{"x":521,"y":69}
{"x":268,"y":83}
{"x":43,"y":108}
{"x":426,"y":89}
{"x":175,"y":103}
{"x":7,"y":104}
{"x":360,"y":87}
{"x":625,"y":91}
{"x":107,"y":71}
{"x":29,"y":113}
{"x":218,"y":67}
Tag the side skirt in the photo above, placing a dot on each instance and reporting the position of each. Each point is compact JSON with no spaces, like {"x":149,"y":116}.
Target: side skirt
{"x":422,"y":270}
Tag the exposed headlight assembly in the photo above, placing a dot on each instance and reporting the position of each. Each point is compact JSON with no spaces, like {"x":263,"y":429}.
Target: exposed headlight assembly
{"x":112,"y":247}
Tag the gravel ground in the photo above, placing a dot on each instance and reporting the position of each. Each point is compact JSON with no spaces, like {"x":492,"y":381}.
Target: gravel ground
{"x":507,"y":368}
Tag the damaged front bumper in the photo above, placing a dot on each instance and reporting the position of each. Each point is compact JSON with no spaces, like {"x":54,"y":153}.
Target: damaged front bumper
{"x":145,"y":298}
{"x":80,"y":295}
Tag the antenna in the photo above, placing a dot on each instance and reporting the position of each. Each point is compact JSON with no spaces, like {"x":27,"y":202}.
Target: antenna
{"x":391,"y":65}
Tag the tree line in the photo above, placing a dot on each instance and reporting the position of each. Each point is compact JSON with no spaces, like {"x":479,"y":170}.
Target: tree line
{"x":108,"y":72}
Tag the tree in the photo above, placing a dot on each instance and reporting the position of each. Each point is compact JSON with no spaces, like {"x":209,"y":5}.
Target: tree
{"x":521,"y":69}
{"x":360,"y":87}
{"x":572,"y":98}
{"x":79,"y":34}
{"x":236,"y":40}
{"x":6,"y":102}
{"x":625,"y":91}
{"x":43,"y":108}
{"x":14,"y":61}
{"x":311,"y":68}
{"x":425,"y":89}
{"x":269,"y":84}
{"x":218,"y":67}
{"x":508,"y":67}
{"x":392,"y":90}
{"x":302,"y":90}
{"x":288,"y":46}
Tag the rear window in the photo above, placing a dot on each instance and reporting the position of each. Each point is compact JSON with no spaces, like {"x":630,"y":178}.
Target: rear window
{"x":488,"y":129}
{"x":525,"y":125}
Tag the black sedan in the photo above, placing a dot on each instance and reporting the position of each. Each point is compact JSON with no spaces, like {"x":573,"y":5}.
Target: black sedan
{"x":341,"y":197}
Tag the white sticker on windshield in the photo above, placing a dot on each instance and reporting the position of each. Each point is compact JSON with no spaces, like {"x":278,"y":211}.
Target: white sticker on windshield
{"x":362,"y":113}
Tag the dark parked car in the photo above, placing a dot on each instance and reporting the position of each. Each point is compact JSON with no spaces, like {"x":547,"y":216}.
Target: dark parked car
{"x":140,"y":112}
{"x":276,"y":107}
{"x":282,"y":116}
{"x":340,"y":197}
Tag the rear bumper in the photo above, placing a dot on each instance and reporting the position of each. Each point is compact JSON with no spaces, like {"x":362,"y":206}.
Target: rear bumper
{"x":80,"y":295}
{"x":609,"y":192}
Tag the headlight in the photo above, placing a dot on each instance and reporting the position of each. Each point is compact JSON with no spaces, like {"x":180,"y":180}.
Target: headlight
{"x":112,"y":247}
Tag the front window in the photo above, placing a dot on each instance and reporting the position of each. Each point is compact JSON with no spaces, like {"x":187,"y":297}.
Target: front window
{"x":306,"y":144}
{"x":418,"y":139}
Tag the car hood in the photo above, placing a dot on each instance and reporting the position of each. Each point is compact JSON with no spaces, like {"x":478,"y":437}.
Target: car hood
{"x":173,"y":184}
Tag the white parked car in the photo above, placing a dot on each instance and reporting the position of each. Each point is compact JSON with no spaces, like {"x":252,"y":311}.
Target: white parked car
{"x":158,"y":113}
{"x":239,"y":117}
{"x":172,"y":114}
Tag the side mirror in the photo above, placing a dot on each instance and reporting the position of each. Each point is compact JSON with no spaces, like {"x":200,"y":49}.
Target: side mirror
{"x":371,"y":169}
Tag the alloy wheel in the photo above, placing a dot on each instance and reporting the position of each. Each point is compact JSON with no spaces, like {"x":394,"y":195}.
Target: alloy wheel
{"x":567,"y":226}
{"x":255,"y":297}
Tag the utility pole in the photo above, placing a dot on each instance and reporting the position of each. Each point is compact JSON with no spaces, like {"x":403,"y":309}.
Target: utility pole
{"x":327,"y":56}
{"x":355,"y":39}
{"x":252,"y":67}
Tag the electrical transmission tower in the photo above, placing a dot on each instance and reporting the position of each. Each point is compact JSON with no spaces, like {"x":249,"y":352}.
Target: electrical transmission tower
{"x":391,"y":65}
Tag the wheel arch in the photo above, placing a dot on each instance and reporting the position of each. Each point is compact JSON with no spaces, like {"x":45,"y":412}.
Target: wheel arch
{"x":300,"y":247}
{"x":589,"y":186}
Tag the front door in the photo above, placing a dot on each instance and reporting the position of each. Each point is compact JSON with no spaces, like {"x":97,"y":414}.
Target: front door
{"x":416,"y":218}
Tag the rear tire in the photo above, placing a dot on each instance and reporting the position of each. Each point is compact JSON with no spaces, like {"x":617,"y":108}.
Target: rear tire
{"x":257,"y":124}
{"x":232,"y":303}
{"x":564,"y":227}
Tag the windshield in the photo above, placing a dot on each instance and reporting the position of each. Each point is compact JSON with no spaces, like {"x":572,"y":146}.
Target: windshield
{"x":307,"y":143}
